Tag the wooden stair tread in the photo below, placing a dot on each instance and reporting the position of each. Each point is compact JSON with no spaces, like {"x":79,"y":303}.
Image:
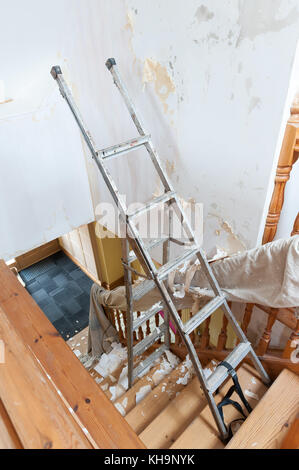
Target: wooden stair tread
{"x":147,"y":410}
{"x":130,"y":395}
{"x":172,"y":421}
{"x":268,"y":424}
{"x":202,"y":433}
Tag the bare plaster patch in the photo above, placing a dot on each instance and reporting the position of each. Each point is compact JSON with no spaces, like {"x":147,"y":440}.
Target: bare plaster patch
{"x":258,"y":17}
{"x":130,"y":20}
{"x":255,"y":102}
{"x":203,"y":14}
{"x":164,"y":86}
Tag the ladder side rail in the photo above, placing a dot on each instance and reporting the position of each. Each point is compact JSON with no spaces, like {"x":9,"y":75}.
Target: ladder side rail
{"x":129,"y":312}
{"x":67,"y":95}
{"x":166,"y":257}
{"x":113,"y":69}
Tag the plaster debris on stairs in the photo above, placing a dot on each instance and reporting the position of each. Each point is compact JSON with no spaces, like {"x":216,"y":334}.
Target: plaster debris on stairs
{"x":112,"y":376}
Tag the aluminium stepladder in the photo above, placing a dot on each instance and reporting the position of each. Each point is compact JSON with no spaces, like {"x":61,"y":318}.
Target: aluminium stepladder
{"x":157,"y":277}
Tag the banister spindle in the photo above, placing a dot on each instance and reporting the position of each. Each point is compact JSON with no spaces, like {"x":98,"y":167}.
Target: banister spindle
{"x":247,"y":317}
{"x":292,"y":342}
{"x":222,"y":338}
{"x":205,"y":339}
{"x":266,"y":338}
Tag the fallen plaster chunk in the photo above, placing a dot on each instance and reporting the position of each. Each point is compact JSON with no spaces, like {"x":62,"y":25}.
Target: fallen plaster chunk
{"x":99,"y":380}
{"x":108,"y":363}
{"x":253,"y":380}
{"x":104,"y":387}
{"x":251,"y":395}
{"x":77,"y":352}
{"x":123,"y":378}
{"x":125,"y":402}
{"x":120,"y":408}
{"x":207,"y":372}
{"x":165,"y":368}
{"x":179,"y":291}
{"x":142,"y":393}
{"x":172,"y":359}
{"x":116,"y":392}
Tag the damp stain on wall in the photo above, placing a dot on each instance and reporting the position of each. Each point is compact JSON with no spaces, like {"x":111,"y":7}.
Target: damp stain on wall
{"x":154,"y":72}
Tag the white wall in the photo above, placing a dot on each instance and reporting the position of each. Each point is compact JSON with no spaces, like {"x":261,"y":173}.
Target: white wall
{"x":215,"y":107}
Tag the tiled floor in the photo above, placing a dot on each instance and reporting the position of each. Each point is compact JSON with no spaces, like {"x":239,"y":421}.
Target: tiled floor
{"x":62,"y":291}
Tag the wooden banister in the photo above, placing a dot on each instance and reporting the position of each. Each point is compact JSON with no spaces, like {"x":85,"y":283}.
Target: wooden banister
{"x":266,"y":338}
{"x":285,"y":163}
{"x":295,"y":230}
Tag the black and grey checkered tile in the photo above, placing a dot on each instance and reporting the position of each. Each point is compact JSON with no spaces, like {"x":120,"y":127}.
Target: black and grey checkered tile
{"x":62,"y":291}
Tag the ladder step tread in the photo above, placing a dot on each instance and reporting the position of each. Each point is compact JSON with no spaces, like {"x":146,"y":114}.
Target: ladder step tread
{"x":124,"y":147}
{"x":146,"y":316}
{"x":155,"y":202}
{"x":234,"y":359}
{"x":146,"y":343}
{"x":203,"y":314}
{"x":174,"y":264}
{"x":142,"y":288}
{"x":148,"y":361}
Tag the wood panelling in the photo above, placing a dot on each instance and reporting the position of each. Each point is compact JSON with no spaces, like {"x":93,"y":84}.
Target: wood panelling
{"x":77,"y":244}
{"x":95,"y":413}
{"x":36,"y":255}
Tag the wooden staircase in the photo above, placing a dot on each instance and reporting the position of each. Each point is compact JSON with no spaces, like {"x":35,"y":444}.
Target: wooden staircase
{"x":170,"y":411}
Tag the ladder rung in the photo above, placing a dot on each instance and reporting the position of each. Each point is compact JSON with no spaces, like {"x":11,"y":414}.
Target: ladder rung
{"x":143,"y":288}
{"x":221,"y":373}
{"x":148,"y":361}
{"x":174,"y":264}
{"x":155,"y":202}
{"x":146,"y":343}
{"x":125,"y":147}
{"x":203,"y":314}
{"x":146,"y":316}
{"x":149,"y":246}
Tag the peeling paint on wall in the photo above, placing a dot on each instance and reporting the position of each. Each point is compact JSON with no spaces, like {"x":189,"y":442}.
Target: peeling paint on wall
{"x":259,"y":17}
{"x":229,"y":241}
{"x":131,"y":20}
{"x":164,"y":86}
